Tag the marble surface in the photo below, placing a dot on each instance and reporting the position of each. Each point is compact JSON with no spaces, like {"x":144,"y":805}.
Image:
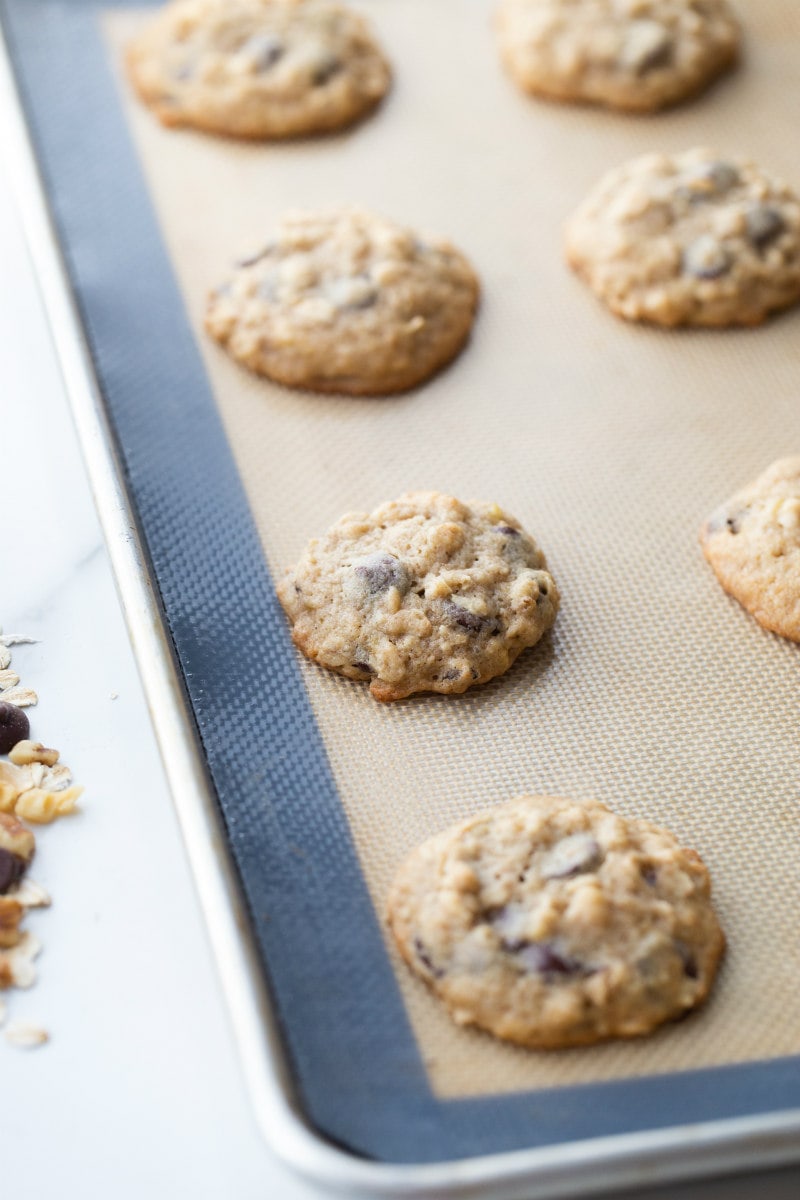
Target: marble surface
{"x":139,"y":1091}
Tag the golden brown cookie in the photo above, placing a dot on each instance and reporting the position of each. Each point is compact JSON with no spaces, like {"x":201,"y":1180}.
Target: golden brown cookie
{"x":689,"y":239}
{"x":425,"y":594}
{"x":753,"y":544}
{"x":637,"y":55}
{"x":346,"y":302}
{"x":258,"y":68}
{"x":552,"y":923}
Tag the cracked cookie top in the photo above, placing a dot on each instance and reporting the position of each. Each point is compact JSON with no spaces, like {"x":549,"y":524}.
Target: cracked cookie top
{"x":423,"y":594}
{"x":628,"y":54}
{"x":689,"y":239}
{"x":753,"y":544}
{"x":346,"y":302}
{"x":258,"y":68}
{"x":554,"y":923}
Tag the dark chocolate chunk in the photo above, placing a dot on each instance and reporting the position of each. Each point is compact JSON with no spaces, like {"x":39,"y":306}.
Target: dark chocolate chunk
{"x":14,"y":726}
{"x":365,"y":667}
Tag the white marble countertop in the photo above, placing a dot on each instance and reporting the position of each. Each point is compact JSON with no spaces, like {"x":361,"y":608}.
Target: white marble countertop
{"x":139,"y":1091}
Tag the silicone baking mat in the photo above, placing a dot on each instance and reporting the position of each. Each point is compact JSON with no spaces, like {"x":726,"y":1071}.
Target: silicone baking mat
{"x":655,"y":693}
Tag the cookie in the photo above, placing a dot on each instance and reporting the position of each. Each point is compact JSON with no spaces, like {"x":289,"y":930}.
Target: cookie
{"x":425,"y":594}
{"x":258,"y":68}
{"x":753,"y":546}
{"x":638,"y":55}
{"x":346,"y":302}
{"x":552,"y":923}
{"x":689,"y":239}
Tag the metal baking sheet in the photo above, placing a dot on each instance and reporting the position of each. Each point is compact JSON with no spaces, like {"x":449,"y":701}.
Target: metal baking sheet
{"x":610,"y":442}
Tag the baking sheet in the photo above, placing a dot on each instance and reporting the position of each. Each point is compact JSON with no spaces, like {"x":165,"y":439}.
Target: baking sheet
{"x":610,"y":443}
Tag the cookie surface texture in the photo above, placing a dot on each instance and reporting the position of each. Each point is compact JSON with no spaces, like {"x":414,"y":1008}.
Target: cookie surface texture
{"x":637,"y":55}
{"x":689,"y":239}
{"x":346,"y":302}
{"x":753,"y":544}
{"x":425,"y":594}
{"x":552,"y":923}
{"x":258,"y":68}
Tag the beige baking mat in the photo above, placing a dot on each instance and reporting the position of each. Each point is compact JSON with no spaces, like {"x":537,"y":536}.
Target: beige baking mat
{"x":656,"y":693}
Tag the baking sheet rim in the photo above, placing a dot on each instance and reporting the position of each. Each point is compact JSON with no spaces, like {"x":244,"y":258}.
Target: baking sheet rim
{"x":593,"y":1165}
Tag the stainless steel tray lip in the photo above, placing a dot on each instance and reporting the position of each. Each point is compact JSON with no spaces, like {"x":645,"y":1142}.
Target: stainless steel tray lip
{"x":592,"y":1166}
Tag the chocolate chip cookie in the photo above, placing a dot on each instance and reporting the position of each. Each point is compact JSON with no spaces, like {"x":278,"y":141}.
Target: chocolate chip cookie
{"x":753,"y":545}
{"x":425,"y":594}
{"x":552,"y":923}
{"x":637,"y":55}
{"x":689,"y":239}
{"x":346,"y":302}
{"x":258,"y":68}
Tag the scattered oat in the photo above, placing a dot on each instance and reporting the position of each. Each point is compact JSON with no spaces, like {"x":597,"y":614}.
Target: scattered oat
{"x":27,"y":752}
{"x":5,"y":657}
{"x":30,"y":894}
{"x":3,"y":1012}
{"x":8,"y":679}
{"x":16,"y":964}
{"x":115,"y":695}
{"x":17,"y":639}
{"x":26,"y":1036}
{"x":22,"y":697}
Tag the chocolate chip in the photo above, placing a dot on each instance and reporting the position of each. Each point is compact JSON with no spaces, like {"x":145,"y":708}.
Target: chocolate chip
{"x":706,"y":258}
{"x":764,"y":224}
{"x":711,"y":179}
{"x":463,"y":617}
{"x":425,"y":958}
{"x":264,"y":49}
{"x":326,"y":68}
{"x":733,"y":524}
{"x":689,"y":961}
{"x":508,"y":531}
{"x":571,"y":856}
{"x":452,"y":674}
{"x":379,"y":572}
{"x":14,"y":726}
{"x":365,"y":667}
{"x":12,"y":868}
{"x":252,"y":259}
{"x":542,"y":958}
{"x":649,"y":874}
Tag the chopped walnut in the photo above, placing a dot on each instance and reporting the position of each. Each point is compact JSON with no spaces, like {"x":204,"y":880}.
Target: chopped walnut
{"x":26,"y":1036}
{"x":11,"y":913}
{"x":25,"y":753}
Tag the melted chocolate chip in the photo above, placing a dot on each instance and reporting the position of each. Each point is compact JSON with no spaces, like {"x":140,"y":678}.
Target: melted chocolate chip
{"x":325,"y":70}
{"x":265,"y":50}
{"x":571,"y":856}
{"x":365,"y":667}
{"x":764,"y":224}
{"x":508,"y":531}
{"x":706,"y":258}
{"x":463,"y":617}
{"x":14,"y":726}
{"x":425,"y":958}
{"x":542,"y":958}
{"x":12,"y":868}
{"x":452,"y":674}
{"x":382,"y":571}
{"x":649,"y":875}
